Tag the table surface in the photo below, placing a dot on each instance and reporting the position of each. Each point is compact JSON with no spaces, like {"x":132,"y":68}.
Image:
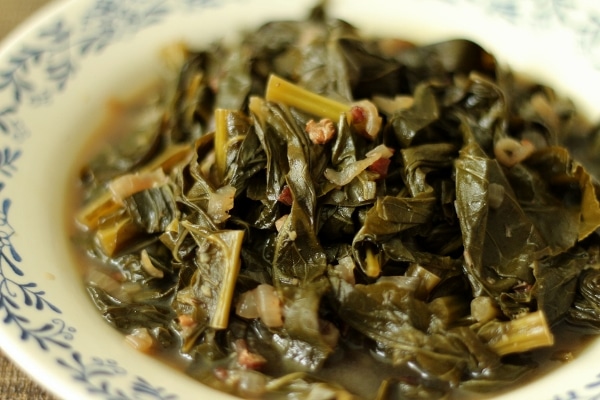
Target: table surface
{"x":14,"y":383}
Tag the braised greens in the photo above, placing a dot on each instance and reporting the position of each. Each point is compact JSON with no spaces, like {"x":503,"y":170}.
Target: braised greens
{"x":298,"y":210}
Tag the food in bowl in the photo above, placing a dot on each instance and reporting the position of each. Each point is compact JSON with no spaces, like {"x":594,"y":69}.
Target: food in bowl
{"x":312,"y":213}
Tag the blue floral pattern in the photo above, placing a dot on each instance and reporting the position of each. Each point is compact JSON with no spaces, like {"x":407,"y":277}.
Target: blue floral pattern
{"x":581,"y":18}
{"x":15,"y":294}
{"x":54,"y":51}
{"x":93,"y":374}
{"x":590,"y":391}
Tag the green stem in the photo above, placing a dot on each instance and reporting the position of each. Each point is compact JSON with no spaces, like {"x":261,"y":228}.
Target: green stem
{"x":518,"y":335}
{"x":289,"y":94}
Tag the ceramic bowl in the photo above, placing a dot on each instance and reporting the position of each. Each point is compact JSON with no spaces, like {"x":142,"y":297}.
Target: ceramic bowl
{"x":58,"y":70}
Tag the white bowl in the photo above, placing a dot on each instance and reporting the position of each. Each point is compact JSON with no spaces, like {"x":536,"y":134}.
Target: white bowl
{"x":56,"y":73}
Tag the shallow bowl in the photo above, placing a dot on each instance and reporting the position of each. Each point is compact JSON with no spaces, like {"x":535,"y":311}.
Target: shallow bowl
{"x":56,"y":73}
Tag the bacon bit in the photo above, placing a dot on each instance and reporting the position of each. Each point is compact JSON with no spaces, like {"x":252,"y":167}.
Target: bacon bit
{"x":320,"y":132}
{"x":186,"y":320}
{"x":380,"y":167}
{"x":188,"y":325}
{"x":285,"y":196}
{"x":358,"y":114}
{"x":246,"y":358}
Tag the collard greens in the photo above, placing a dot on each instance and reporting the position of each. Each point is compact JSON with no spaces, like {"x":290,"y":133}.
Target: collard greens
{"x":308,"y":206}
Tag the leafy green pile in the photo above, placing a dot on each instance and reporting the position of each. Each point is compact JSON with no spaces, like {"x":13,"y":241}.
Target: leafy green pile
{"x":289,"y":239}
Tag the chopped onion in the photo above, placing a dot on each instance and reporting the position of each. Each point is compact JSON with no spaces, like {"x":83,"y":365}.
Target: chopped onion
{"x":220,"y":202}
{"x":345,"y":268}
{"x":346,"y":175}
{"x":246,"y":305}
{"x":509,"y":151}
{"x":279,"y":223}
{"x":148,"y":266}
{"x":381,"y":151}
{"x":252,"y":384}
{"x":392,"y":105}
{"x":365,"y":118}
{"x":269,"y":306}
{"x":130,"y":184}
{"x":140,"y":339}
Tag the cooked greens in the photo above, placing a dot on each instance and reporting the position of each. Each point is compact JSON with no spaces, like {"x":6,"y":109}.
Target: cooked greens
{"x":310,"y":213}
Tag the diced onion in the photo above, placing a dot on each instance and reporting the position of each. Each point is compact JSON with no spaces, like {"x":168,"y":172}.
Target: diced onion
{"x":149,"y":267}
{"x":369,"y":122}
{"x":345,"y":176}
{"x":279,"y":223}
{"x":130,"y":184}
{"x":509,"y":151}
{"x":140,"y":339}
{"x":252,"y":384}
{"x":261,"y":302}
{"x":220,"y":202}
{"x":381,"y":151}
{"x":246,"y":305}
{"x":269,"y":306}
{"x":345,"y":268}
